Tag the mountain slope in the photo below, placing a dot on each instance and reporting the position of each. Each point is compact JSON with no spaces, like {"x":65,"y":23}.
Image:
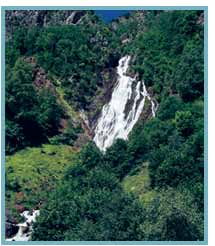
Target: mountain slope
{"x":113,"y":195}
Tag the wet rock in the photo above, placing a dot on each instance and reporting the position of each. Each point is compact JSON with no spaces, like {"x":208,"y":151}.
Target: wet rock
{"x":10,"y":229}
{"x":26,"y":229}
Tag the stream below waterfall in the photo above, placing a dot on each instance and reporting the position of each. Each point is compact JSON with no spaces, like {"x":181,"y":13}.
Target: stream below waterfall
{"x":25,"y":228}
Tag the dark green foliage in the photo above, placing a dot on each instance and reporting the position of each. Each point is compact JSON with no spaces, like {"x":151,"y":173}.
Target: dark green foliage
{"x":14,"y":136}
{"x":189,"y":78}
{"x":89,"y":205}
{"x":13,"y":186}
{"x":184,"y":123}
{"x":168,"y":107}
{"x":21,"y":106}
{"x":94,"y":215}
{"x":174,"y":146}
{"x":74,"y":53}
{"x":51,"y":112}
{"x":170,"y":53}
{"x":31,"y":116}
{"x":68,"y":50}
{"x":172,"y":216}
{"x":116,"y":158}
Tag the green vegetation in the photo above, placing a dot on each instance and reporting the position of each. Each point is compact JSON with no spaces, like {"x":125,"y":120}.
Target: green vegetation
{"x":150,"y":187}
{"x":170,"y":214}
{"x":72,"y":54}
{"x":76,"y":54}
{"x":32,"y":173}
{"x":170,"y":54}
{"x":139,"y":184}
{"x":31,"y":115}
{"x":89,"y":205}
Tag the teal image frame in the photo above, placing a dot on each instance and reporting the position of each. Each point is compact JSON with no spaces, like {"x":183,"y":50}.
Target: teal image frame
{"x":203,"y":8}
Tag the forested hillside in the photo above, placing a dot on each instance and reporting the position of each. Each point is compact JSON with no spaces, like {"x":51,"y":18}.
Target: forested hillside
{"x":60,"y":72}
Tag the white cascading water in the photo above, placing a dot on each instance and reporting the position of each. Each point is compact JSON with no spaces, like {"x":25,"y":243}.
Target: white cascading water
{"x":113,"y":122}
{"x":25,"y":228}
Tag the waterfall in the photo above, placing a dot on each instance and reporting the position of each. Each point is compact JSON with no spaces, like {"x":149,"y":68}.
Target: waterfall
{"x":114,"y":121}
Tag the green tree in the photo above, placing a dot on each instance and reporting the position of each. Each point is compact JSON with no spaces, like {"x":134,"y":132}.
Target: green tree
{"x":50,"y":111}
{"x":184,"y":123}
{"x":172,"y":216}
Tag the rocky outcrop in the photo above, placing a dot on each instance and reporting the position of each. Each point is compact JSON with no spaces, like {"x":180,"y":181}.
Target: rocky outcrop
{"x":40,"y":77}
{"x":40,"y":18}
{"x":10,"y":225}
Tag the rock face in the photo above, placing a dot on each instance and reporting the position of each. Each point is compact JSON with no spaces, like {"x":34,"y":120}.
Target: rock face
{"x":40,"y":18}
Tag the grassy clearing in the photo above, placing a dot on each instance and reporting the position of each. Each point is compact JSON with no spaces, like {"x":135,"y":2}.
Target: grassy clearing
{"x":139,"y":184}
{"x":33,"y":172}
